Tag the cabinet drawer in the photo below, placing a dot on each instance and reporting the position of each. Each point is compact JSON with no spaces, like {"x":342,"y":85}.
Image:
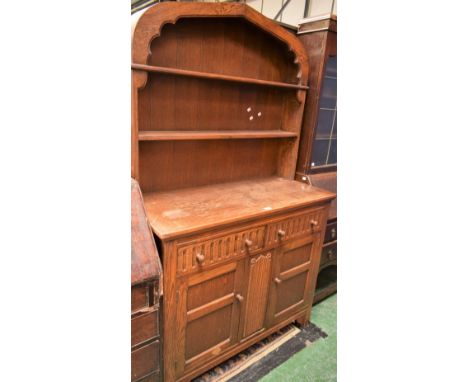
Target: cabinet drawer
{"x":139,"y":297}
{"x":294,"y":226}
{"x":145,"y":327}
{"x":331,"y":233}
{"x":145,"y":360}
{"x":198,"y":254}
{"x":328,"y":254}
{"x":145,"y":295}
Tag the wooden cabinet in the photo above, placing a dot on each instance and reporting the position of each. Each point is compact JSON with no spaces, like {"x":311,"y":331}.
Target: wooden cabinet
{"x":242,"y":298}
{"x":317,"y":160}
{"x":218,"y":92}
{"x":318,"y":143}
{"x":145,"y":296}
{"x":229,"y":287}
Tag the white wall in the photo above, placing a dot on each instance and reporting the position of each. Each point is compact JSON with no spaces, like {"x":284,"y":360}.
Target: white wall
{"x":321,"y":7}
{"x":293,"y":12}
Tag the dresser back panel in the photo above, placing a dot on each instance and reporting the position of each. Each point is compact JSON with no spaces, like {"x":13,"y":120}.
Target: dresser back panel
{"x":191,"y":104}
{"x":223,"y":45}
{"x":173,"y":165}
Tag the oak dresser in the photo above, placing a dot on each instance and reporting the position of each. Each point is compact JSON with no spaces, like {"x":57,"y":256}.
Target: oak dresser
{"x":218,"y":94}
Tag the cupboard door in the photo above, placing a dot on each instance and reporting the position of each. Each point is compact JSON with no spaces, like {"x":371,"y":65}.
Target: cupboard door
{"x":258,"y":274}
{"x":210,"y":322}
{"x":292,"y":276}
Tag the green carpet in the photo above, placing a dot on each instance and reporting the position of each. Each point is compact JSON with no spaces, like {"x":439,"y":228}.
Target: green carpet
{"x":317,"y":362}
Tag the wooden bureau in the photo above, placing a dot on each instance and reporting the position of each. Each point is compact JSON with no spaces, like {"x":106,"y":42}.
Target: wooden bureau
{"x":317,"y":159}
{"x":146,"y":296}
{"x":218,"y":93}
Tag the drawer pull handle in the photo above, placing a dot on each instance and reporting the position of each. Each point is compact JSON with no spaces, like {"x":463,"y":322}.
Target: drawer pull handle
{"x":200,"y":258}
{"x":313,"y":223}
{"x":281,"y":233}
{"x":278,"y":280}
{"x":330,"y":255}
{"x":248,"y":243}
{"x":333,"y":233}
{"x":239,"y":297}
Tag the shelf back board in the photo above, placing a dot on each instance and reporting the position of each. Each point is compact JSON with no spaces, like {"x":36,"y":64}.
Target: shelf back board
{"x":182,"y":164}
{"x":230,"y":46}
{"x":180,"y":103}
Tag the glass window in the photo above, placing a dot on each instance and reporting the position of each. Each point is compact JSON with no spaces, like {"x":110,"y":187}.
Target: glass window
{"x":320,"y":153}
{"x":325,"y":143}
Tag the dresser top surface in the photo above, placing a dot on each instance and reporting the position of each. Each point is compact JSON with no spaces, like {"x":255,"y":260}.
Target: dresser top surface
{"x":186,"y":211}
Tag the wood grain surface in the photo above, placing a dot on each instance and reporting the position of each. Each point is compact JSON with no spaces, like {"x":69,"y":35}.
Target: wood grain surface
{"x":185,"y":211}
{"x":145,"y":258}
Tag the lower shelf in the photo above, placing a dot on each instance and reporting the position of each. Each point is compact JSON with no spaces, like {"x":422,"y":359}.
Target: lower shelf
{"x":326,"y":283}
{"x":209,"y":135}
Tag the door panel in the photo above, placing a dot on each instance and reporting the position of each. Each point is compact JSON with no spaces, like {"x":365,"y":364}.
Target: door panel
{"x":294,"y":258}
{"x":205,"y":332}
{"x":291,"y":292}
{"x":210,"y":290}
{"x":291,"y":279}
{"x":210,"y":322}
{"x":259,"y":276}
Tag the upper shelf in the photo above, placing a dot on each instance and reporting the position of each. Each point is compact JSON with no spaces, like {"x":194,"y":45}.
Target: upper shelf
{"x":213,"y":76}
{"x":217,"y":134}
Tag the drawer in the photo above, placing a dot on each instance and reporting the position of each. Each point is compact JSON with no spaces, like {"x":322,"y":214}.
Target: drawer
{"x":145,"y":327}
{"x":145,"y":360}
{"x":294,"y":226}
{"x":145,"y":295}
{"x":199,"y":254}
{"x":331,"y":232}
{"x":328,"y":254}
{"x":139,"y":297}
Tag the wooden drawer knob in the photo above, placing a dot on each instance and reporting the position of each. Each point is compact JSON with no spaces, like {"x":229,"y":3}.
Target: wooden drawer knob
{"x":281,"y":233}
{"x":200,"y":258}
{"x":278,"y":280}
{"x":248,"y":243}
{"x":333,"y":233}
{"x":239,"y":297}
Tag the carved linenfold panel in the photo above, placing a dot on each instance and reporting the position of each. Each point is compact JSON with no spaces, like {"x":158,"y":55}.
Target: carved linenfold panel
{"x":293,"y":227}
{"x":257,"y":297}
{"x":194,"y":256}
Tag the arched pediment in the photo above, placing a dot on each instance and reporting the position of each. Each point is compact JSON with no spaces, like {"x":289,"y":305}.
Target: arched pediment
{"x":276,"y":50}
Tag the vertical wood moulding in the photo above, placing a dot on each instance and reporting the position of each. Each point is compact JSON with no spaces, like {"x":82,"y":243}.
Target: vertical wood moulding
{"x":138,"y":81}
{"x":257,"y":297}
